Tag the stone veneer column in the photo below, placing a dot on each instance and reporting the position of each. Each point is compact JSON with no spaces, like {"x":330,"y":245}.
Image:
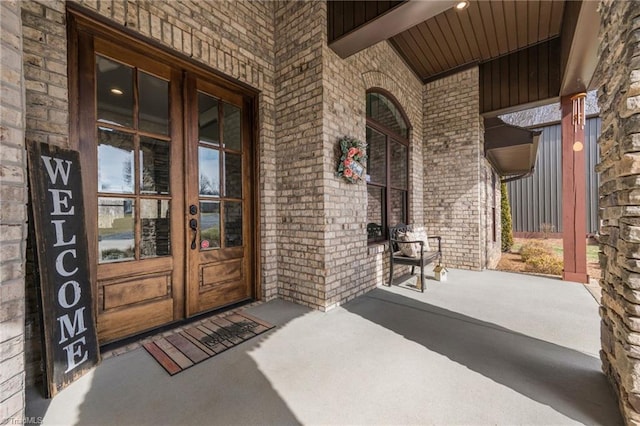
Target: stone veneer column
{"x":619,"y":100}
{"x":13,"y":215}
{"x":453,"y":168}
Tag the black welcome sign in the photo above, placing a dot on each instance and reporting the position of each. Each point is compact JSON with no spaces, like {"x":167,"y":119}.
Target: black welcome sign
{"x":68,"y":320}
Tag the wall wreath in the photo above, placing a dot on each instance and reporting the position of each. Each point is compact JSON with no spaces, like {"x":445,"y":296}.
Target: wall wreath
{"x":353,"y":159}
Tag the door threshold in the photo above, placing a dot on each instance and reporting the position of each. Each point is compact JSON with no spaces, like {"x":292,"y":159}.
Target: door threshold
{"x":128,"y":344}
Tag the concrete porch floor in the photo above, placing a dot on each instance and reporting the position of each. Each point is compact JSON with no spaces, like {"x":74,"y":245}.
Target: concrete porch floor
{"x":483,"y":348}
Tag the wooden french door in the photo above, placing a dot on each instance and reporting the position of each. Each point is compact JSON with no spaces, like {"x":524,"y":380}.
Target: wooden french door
{"x":167,"y":171}
{"x":218,"y":197}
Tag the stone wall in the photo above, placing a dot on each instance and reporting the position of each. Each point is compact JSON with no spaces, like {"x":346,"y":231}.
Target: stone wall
{"x":619,"y":170}
{"x":453,"y":168}
{"x":13,"y":216}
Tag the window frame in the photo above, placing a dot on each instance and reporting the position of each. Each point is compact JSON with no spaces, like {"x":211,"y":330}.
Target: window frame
{"x":390,"y":137}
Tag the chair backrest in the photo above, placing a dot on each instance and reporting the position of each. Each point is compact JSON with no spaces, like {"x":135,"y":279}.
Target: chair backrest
{"x":393,"y":235}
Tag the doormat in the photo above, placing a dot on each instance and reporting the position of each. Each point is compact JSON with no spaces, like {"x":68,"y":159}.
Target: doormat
{"x":186,"y":348}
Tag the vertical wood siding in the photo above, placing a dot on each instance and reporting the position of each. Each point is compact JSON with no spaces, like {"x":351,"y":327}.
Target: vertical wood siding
{"x":528,"y":75}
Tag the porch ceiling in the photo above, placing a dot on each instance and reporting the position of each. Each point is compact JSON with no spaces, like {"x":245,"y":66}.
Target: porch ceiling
{"x":529,"y":52}
{"x":483,"y":31}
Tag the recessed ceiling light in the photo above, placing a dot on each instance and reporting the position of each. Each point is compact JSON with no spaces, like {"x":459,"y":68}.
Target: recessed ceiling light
{"x":116,"y":91}
{"x":462,"y":5}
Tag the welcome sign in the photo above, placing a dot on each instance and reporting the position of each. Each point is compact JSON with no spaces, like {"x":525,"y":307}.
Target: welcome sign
{"x":70,"y":341}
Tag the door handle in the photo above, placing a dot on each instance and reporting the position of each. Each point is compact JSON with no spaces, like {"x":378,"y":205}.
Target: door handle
{"x":193,"y":224}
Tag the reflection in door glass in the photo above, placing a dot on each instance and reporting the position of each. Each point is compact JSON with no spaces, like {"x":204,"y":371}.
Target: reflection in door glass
{"x":233,"y":224}
{"x":232,"y":127}
{"x":232,"y":175}
{"x":115,"y":161}
{"x":209,"y":168}
{"x":154,"y":104}
{"x":155,"y":239}
{"x":114,"y":90}
{"x":116,"y":239}
{"x":154,"y":165}
{"x":209,"y":225}
{"x":208,"y":120}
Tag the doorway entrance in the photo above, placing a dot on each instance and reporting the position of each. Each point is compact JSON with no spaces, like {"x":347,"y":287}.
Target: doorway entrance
{"x":168,"y":180}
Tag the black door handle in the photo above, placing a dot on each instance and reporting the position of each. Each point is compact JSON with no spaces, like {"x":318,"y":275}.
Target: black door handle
{"x":193,"y":224}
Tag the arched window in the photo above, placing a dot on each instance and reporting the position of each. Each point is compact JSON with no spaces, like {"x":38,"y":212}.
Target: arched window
{"x":387,"y":165}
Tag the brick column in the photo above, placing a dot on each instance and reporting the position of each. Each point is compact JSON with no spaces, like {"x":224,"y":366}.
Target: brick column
{"x":13,"y":215}
{"x":619,"y":168}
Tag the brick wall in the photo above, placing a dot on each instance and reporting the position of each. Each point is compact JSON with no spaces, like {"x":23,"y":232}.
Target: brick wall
{"x":354,"y":268}
{"x":13,"y":215}
{"x":619,"y":169}
{"x":453,"y":163}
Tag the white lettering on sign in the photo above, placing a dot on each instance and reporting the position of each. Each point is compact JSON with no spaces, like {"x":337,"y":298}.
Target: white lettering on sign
{"x":74,"y":351}
{"x":59,"y":202}
{"x":62,"y":294}
{"x":53,"y":174}
{"x":60,"y":234}
{"x":60,"y":263}
{"x":71,"y":324}
{"x":71,"y":328}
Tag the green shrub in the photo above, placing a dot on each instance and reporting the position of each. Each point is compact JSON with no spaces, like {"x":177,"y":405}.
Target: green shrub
{"x":505,"y":213}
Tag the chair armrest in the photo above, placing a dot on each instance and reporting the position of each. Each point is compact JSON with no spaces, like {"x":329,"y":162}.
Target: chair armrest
{"x":437,"y":237}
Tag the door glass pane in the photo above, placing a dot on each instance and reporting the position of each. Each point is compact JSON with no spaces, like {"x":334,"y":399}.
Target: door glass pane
{"x":233,"y":175}
{"x":116,"y":239}
{"x":209,"y":168}
{"x":232,"y":127}
{"x":233,"y":224}
{"x":155,"y":228}
{"x":375,"y":212}
{"x":154,"y":104}
{"x":115,"y":161}
{"x":154,"y":165}
{"x":209,"y":225}
{"x":398,"y":165}
{"x":114,"y":90}
{"x":208,"y":120}
{"x":398,"y":200}
{"x":377,"y":157}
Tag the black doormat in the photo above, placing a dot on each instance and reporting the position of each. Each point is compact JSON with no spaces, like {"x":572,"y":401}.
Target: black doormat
{"x":186,"y":348}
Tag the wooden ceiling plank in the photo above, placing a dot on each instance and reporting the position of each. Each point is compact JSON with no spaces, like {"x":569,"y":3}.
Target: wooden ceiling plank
{"x":460,"y":37}
{"x":408,"y":50}
{"x":453,"y":57}
{"x":513,"y":79}
{"x":371,"y":10}
{"x":543,"y":70}
{"x":478,"y":30}
{"x":486,"y":15}
{"x":502,"y":37}
{"x":523,"y":76}
{"x":504,"y":82}
{"x":451,"y":38}
{"x":338,"y":27}
{"x":431,"y":46}
{"x":348,"y":19}
{"x":469,"y":33}
{"x":557,"y":11}
{"x":359,"y":16}
{"x":522,"y":23}
{"x":533,"y":8}
{"x":412,"y":62}
{"x":533,"y":74}
{"x":511,"y":24}
{"x":545,"y":19}
{"x":415,"y":40}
